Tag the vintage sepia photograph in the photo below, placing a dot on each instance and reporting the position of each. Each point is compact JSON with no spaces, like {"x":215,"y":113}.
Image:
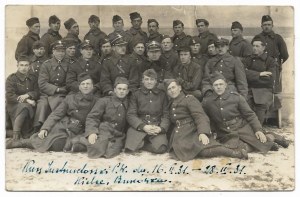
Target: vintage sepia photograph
{"x":149,"y":97}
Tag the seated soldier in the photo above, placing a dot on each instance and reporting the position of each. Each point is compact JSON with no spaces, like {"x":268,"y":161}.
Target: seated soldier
{"x":148,"y":117}
{"x":191,"y":136}
{"x":106,"y":123}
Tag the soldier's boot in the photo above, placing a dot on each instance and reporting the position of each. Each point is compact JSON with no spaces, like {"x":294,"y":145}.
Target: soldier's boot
{"x":223,"y":151}
{"x":78,"y":145}
{"x":280,"y":140}
{"x":21,"y":143}
{"x":275,"y":147}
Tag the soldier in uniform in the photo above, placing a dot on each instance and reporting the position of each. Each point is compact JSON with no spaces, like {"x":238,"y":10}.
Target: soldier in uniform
{"x":117,"y":66}
{"x":70,"y":51}
{"x":231,"y":67}
{"x":21,"y":95}
{"x":38,"y":58}
{"x":239,"y":46}
{"x":106,"y":49}
{"x":275,"y":47}
{"x":180,"y":38}
{"x":24,"y":47}
{"x":197,"y":57}
{"x":191,"y":135}
{"x":84,"y":64}
{"x":106,"y":123}
{"x":148,"y":117}
{"x":73,"y":32}
{"x":204,"y":34}
{"x":188,"y":73}
{"x":52,"y":84}
{"x":169,"y":57}
{"x":66,"y":124}
{"x":95,"y":34}
{"x":211,"y":49}
{"x":153,"y":27}
{"x":52,"y":35}
{"x":136,"y":31}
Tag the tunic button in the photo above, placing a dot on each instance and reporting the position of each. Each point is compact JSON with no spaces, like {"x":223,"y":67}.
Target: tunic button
{"x":228,"y":127}
{"x":87,"y":64}
{"x":253,"y":60}
{"x":76,"y":110}
{"x":56,"y":79}
{"x":116,"y":124}
{"x":150,"y":101}
{"x":58,"y":67}
{"x":221,"y":72}
{"x":27,"y":88}
{"x":38,"y":66}
{"x":119,"y":114}
{"x":36,"y":70}
{"x":221,"y":65}
{"x":58,"y":74}
{"x":173,"y":108}
{"x":221,"y":60}
{"x":86,"y":70}
{"x":176,"y":131}
{"x":174,"y":114}
{"x":221,"y":108}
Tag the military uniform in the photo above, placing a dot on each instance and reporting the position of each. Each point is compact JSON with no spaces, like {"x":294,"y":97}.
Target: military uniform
{"x":232,"y":69}
{"x":169,"y":59}
{"x":204,"y":38}
{"x":240,"y":47}
{"x":36,"y":63}
{"x":94,"y":36}
{"x":107,"y":119}
{"x":66,"y":121}
{"x":125,"y":35}
{"x":48,"y":39}
{"x":155,"y":37}
{"x":70,"y":60}
{"x":136,"y":35}
{"x":138,"y":62}
{"x":73,"y":38}
{"x":24,"y":46}
{"x":147,"y":107}
{"x":181,"y":40}
{"x":200,"y":59}
{"x":234,"y":121}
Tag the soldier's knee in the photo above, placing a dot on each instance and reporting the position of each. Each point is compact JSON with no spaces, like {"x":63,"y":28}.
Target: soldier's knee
{"x":162,"y":149}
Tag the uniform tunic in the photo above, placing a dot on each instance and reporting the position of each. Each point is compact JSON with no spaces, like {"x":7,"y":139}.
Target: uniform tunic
{"x":240,"y":47}
{"x":136,"y":35}
{"x":233,"y":120}
{"x":138,"y":62}
{"x":147,"y":107}
{"x":36,"y":63}
{"x":169,"y":59}
{"x":204,"y":38}
{"x":94,"y":36}
{"x":66,"y":121}
{"x":181,"y":40}
{"x":201,"y":60}
{"x":189,"y":119}
{"x":71,"y":37}
{"x":49,"y":38}
{"x":24,"y":47}
{"x":155,"y":37}
{"x":107,"y":119}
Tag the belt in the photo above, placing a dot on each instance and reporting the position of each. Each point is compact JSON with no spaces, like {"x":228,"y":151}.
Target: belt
{"x":231,"y":122}
{"x":76,"y":122}
{"x":183,"y":121}
{"x":150,"y":119}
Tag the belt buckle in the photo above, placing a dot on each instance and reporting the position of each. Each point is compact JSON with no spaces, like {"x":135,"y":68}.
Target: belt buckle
{"x":178,"y":123}
{"x":147,"y":117}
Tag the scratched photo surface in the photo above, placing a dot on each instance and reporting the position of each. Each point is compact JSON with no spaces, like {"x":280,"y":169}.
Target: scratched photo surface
{"x":29,"y":170}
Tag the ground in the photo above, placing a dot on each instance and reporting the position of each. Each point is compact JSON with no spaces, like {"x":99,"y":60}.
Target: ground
{"x":29,"y":170}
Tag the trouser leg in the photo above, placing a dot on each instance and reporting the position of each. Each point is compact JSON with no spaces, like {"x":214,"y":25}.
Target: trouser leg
{"x":18,"y":123}
{"x":223,"y":151}
{"x":58,"y":145}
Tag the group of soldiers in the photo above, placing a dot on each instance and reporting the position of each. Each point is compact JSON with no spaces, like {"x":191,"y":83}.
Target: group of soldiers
{"x":191,"y":96}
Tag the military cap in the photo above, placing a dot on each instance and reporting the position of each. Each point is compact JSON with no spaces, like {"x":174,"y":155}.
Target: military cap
{"x":150,"y":73}
{"x":121,"y":80}
{"x":236,"y":25}
{"x":23,"y":58}
{"x":94,"y":18}
{"x":103,"y":41}
{"x":70,"y":43}
{"x":266,"y":18}
{"x":53,"y":19}
{"x":86,"y":43}
{"x":58,"y":45}
{"x":116,"y":18}
{"x":259,"y":38}
{"x":167,"y":82}
{"x":165,"y":36}
{"x":177,"y":22}
{"x":210,"y":42}
{"x":202,"y":20}
{"x":69,"y":23}
{"x":216,"y":76}
{"x":137,"y":41}
{"x":37,"y":44}
{"x":32,"y":21}
{"x":152,"y":21}
{"x":134,"y":15}
{"x":221,"y":42}
{"x":83,"y":76}
{"x":184,"y":48}
{"x":194,"y":40}
{"x":153,"y":46}
{"x":117,"y":40}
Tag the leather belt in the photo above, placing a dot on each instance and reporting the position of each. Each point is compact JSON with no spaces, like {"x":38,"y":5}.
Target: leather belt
{"x":231,"y":122}
{"x":183,"y":121}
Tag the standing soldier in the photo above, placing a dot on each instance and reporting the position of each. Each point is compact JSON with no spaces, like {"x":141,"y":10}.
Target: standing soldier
{"x":70,"y":51}
{"x":197,"y":57}
{"x":180,"y":38}
{"x":38,"y":58}
{"x":52,"y":35}
{"x":106,"y":123}
{"x":204,"y":34}
{"x":24,"y":47}
{"x":84,"y":64}
{"x":136,"y":31}
{"x":106,"y":50}
{"x":148,"y":117}
{"x":95,"y":34}
{"x":73,"y":32}
{"x":238,"y":46}
{"x":275,"y":47}
{"x":52,"y":84}
{"x":153,"y":31}
{"x":169,"y":56}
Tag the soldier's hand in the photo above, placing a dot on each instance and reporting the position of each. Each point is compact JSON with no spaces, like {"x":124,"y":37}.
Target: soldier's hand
{"x":22,"y":98}
{"x":261,"y":136}
{"x":31,"y":102}
{"x":203,"y":138}
{"x":42,"y":134}
{"x":156,"y":129}
{"x":16,"y":135}
{"x":265,"y":74}
{"x":149,"y":129}
{"x":92,"y":138}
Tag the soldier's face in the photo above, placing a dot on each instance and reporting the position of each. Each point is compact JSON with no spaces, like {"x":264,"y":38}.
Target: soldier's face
{"x":86,"y":86}
{"x":59,"y":54}
{"x":236,"y":32}
{"x":35,"y":28}
{"x":74,"y":29}
{"x":267,"y":26}
{"x":185,"y":57}
{"x":258,"y":48}
{"x":178,"y":29}
{"x":149,"y":82}
{"x":39,"y":52}
{"x":94,"y":24}
{"x":154,"y":55}
{"x":55,"y":26}
{"x":174,"y":90}
{"x":166,"y":44}
{"x":118,"y":25}
{"x":139,"y":49}
{"x":23,"y":67}
{"x":195,"y":48}
{"x":152,"y":28}
{"x":71,"y":51}
{"x":87,"y":52}
{"x":106,"y":48}
{"x":202,"y":27}
{"x":136,"y":23}
{"x":212,"y":49}
{"x":120,"y":49}
{"x":219,"y":86}
{"x":121,"y":90}
{"x":222,"y":49}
